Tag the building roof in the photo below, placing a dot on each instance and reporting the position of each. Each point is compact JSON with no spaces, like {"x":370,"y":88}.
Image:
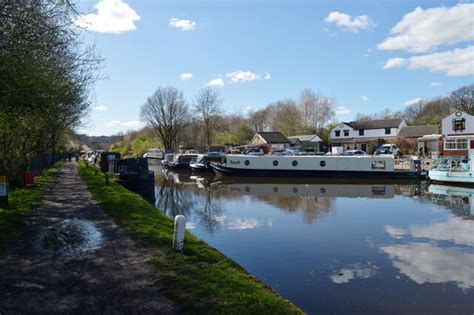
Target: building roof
{"x":273,"y":137}
{"x":418,"y":131}
{"x":306,"y":138}
{"x":375,"y":124}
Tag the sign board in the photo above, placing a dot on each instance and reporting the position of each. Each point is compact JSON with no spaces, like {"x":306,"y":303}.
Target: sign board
{"x":3,"y":186}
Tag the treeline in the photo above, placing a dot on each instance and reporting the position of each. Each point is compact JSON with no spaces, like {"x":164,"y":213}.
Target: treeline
{"x":174,"y":122}
{"x":45,"y":78}
{"x":430,"y":111}
{"x":201,"y":122}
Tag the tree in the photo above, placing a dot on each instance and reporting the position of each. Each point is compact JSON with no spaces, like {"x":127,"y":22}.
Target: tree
{"x":316,"y":110}
{"x":463,"y":99}
{"x":284,"y":116}
{"x":167,"y":112}
{"x":258,"y":120}
{"x":207,"y":105}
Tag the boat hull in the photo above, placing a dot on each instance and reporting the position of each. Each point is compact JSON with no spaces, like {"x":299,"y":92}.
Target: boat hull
{"x":227,"y":171}
{"x":465,"y":178}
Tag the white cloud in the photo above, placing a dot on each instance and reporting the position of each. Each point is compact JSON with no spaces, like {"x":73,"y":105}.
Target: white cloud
{"x":183,"y":24}
{"x":454,"y":229}
{"x":395,"y":63}
{"x":99,"y":108}
{"x":216,"y":82}
{"x":427,"y":263}
{"x":454,"y":63}
{"x":241,"y":76}
{"x":186,"y":76}
{"x":424,"y":30}
{"x":128,"y":124}
{"x":244,"y":224}
{"x":112,"y":16}
{"x":413,"y":101}
{"x":358,"y":272}
{"x":346,"y":21}
{"x":267,"y":76}
{"x":364,"y":98}
{"x":395,"y":232}
{"x":436,"y":84}
{"x":342,"y":110}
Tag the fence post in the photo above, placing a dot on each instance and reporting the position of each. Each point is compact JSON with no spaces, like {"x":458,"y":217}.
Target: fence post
{"x":179,"y":229}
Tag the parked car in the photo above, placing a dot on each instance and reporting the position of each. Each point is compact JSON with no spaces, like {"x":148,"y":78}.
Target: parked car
{"x":388,"y":149}
{"x":354,"y":153}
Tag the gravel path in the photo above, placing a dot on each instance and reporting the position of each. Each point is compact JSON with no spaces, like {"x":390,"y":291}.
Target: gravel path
{"x":103,"y":271}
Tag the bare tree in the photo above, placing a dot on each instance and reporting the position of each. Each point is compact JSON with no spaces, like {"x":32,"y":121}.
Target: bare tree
{"x":167,"y":112}
{"x":316,"y":110}
{"x":207,"y":105}
{"x":284,"y":116}
{"x":258,"y":120}
{"x":463,"y":99}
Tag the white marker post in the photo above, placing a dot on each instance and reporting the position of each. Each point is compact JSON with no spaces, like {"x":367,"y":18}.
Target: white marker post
{"x":179,"y":229}
{"x":3,"y":191}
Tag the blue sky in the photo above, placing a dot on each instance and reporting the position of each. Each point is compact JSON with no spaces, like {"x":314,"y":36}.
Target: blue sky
{"x":367,"y":55}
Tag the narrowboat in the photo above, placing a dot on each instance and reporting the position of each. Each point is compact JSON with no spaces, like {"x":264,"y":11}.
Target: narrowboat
{"x":181,"y":161}
{"x":317,"y":166}
{"x":154,"y":154}
{"x":201,"y":164}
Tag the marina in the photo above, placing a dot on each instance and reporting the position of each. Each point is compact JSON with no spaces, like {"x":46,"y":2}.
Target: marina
{"x":337,"y":245}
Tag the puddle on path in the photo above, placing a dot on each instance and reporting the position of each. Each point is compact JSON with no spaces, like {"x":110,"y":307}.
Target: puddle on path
{"x":70,"y":237}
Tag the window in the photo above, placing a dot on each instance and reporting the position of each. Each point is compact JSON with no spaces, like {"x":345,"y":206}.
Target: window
{"x":361,"y":132}
{"x":275,"y":163}
{"x":322,"y":163}
{"x":294,"y":163}
{"x":455,"y":144}
{"x":247,"y":162}
{"x":388,"y":131}
{"x":459,"y":124}
{"x":338,"y":133}
{"x":378,"y":165}
{"x":346,"y":133}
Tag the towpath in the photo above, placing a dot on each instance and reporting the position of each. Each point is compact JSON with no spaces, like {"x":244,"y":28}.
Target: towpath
{"x":101,"y":271}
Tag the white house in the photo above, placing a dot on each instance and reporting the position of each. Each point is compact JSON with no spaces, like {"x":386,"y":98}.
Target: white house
{"x":458,"y":133}
{"x":365,"y":135}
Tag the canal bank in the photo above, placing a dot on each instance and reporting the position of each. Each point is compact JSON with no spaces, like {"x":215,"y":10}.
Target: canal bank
{"x":199,"y":280}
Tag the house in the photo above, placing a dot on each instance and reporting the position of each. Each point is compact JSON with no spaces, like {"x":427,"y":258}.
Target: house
{"x":270,"y":141}
{"x":311,"y":142}
{"x":365,"y":135}
{"x":421,"y":140}
{"x":458,"y":134}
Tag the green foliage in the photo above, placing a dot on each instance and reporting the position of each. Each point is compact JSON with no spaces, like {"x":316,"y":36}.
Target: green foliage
{"x":201,"y":279}
{"x":22,"y":200}
{"x":242,"y":134}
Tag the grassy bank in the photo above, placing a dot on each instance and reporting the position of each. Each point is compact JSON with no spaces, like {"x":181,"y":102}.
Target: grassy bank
{"x":21,"y":200}
{"x":201,"y":279}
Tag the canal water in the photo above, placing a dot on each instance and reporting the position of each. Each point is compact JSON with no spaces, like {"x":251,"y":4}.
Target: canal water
{"x":337,"y":247}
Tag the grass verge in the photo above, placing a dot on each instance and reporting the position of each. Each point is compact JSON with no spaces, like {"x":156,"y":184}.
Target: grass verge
{"x":199,"y":280}
{"x":22,"y":200}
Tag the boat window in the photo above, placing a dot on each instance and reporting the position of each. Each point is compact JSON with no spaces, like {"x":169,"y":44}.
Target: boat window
{"x":294,"y":163}
{"x":378,"y":165}
{"x":247,"y":162}
{"x":275,"y":189}
{"x":322,"y":163}
{"x":275,"y":163}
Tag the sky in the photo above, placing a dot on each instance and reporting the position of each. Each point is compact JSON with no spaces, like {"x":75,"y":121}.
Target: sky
{"x":368,"y":55}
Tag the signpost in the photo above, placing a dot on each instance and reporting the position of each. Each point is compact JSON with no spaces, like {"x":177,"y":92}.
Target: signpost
{"x":3,"y":191}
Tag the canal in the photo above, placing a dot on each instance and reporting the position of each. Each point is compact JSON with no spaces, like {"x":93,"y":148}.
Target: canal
{"x":337,"y":247}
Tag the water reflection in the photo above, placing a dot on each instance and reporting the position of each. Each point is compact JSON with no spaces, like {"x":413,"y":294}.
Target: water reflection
{"x":338,"y":246}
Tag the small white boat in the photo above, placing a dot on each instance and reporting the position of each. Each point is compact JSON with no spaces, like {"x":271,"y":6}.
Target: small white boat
{"x":154,"y":154}
{"x":452,"y":170}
